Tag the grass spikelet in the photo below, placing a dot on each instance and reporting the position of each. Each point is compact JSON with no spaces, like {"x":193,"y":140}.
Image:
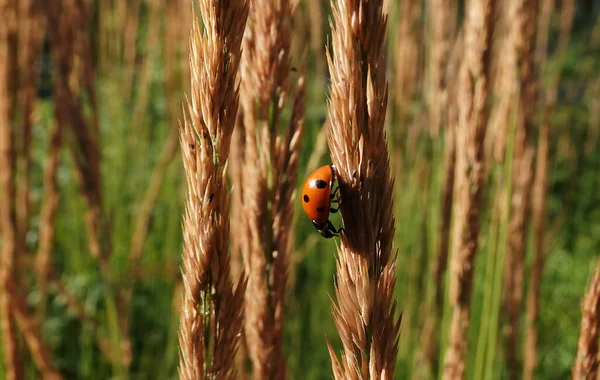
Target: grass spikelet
{"x":364,"y":313}
{"x":211,"y":312}
{"x":587,"y":361}
{"x":472,"y":98}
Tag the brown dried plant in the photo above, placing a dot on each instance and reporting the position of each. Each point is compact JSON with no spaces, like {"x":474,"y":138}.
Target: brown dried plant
{"x":503,"y":81}
{"x":8,"y":219}
{"x":236,"y":163}
{"x":442,"y":15}
{"x":364,"y":313}
{"x":429,"y":347}
{"x":212,"y":310}
{"x":472,"y":97}
{"x":29,"y":46}
{"x":538,"y":212}
{"x":314,"y":14}
{"x":268,"y":178}
{"x":523,"y":15}
{"x":587,"y":361}
{"x":40,"y":353}
{"x":407,"y":74}
{"x":238,"y":227}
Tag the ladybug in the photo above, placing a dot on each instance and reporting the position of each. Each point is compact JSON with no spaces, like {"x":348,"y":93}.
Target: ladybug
{"x":317,"y":198}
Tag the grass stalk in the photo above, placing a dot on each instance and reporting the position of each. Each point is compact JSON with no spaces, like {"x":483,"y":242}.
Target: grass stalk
{"x":144,"y":74}
{"x":8,"y":219}
{"x":472,"y":98}
{"x":29,"y":43}
{"x":587,"y":361}
{"x":365,"y":312}
{"x":47,"y":218}
{"x":594,"y":100}
{"x":502,"y":202}
{"x":142,"y":220}
{"x":129,"y":28}
{"x":40,"y":352}
{"x":523,"y":16}
{"x":212,"y":309}
{"x":491,"y":263}
{"x":538,"y":221}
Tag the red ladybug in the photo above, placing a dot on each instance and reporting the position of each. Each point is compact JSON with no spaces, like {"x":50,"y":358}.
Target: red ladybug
{"x":317,"y":198}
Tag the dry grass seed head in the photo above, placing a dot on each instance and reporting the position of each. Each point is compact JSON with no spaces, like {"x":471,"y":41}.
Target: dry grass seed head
{"x":210,"y":304}
{"x":357,"y":142}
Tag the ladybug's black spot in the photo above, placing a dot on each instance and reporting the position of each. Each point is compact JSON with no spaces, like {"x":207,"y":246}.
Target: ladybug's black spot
{"x":306,"y":198}
{"x":321,"y":209}
{"x":321,"y":184}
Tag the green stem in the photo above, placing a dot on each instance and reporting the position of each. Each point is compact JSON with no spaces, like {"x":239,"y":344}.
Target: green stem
{"x":502,"y":238}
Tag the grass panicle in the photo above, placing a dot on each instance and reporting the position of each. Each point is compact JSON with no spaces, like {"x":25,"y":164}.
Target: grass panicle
{"x":268,"y":177}
{"x":442,"y":16}
{"x":211,"y":312}
{"x":429,"y":347}
{"x":472,"y":97}
{"x":523,"y":16}
{"x":407,"y":70}
{"x":587,"y":361}
{"x":503,"y":82}
{"x":364,"y":313}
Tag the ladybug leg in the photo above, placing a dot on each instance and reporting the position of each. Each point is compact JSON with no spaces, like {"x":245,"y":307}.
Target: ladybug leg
{"x":334,"y":232}
{"x":335,"y":198}
{"x":323,"y":230}
{"x":335,"y":194}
